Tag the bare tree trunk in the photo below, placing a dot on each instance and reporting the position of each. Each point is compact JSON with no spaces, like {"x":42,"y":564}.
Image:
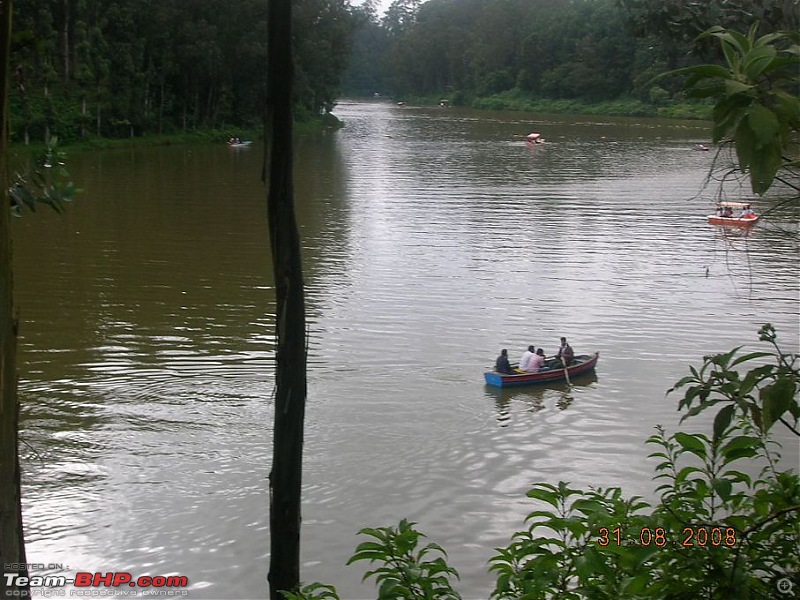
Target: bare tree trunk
{"x":161,"y":109}
{"x":12,"y":541}
{"x":65,"y":33}
{"x":97,"y":119}
{"x":290,"y":369}
{"x":47,"y":117}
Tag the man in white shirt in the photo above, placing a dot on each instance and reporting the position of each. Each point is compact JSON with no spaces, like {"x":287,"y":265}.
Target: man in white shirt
{"x":524,"y":362}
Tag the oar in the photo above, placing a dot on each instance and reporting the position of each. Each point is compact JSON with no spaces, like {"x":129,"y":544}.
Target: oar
{"x":566,"y":372}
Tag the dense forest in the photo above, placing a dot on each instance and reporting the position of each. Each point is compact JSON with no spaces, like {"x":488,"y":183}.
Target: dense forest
{"x":590,"y":50}
{"x":128,"y":67}
{"x":119,"y":68}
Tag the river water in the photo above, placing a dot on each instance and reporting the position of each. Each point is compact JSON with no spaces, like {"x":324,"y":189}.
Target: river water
{"x":432,"y":238}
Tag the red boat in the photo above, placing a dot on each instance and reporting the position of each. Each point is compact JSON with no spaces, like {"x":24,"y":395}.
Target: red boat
{"x":584,"y":363}
{"x":727,"y":214}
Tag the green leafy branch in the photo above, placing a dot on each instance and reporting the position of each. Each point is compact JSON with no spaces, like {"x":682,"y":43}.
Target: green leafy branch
{"x":757,"y":108}
{"x":768,"y":393}
{"x":407,"y":574}
{"x":44,"y":182}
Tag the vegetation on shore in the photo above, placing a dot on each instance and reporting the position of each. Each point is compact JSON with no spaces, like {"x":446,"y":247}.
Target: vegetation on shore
{"x":514,"y":100}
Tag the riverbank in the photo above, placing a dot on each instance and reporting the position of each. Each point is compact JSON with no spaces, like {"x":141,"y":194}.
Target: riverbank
{"x":624,"y":107}
{"x":192,"y":137}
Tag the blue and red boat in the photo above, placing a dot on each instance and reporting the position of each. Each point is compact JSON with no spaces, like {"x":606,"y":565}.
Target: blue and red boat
{"x":584,"y":363}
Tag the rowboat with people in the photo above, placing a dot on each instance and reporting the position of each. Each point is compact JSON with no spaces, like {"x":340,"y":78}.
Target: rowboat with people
{"x":733,"y":213}
{"x":237,"y":143}
{"x":581,"y":364}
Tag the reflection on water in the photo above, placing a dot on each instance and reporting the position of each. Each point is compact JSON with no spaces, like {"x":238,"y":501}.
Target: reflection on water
{"x":538,"y":397}
{"x":431,"y":238}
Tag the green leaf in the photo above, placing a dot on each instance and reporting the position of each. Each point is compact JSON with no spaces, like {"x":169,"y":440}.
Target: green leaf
{"x":764,"y":124}
{"x":731,"y":55}
{"x":776,"y":400}
{"x":765,"y":168}
{"x":546,"y":495}
{"x":691,"y":443}
{"x":750,"y":356}
{"x":723,"y":420}
{"x":757,"y":60}
{"x":684,"y":473}
{"x":736,"y":87}
{"x":723,"y":488}
{"x":741,"y":441}
{"x":745,"y":139}
{"x":768,"y":39}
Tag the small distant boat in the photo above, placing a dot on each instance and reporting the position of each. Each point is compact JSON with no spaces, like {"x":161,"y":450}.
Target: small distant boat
{"x":238,"y":143}
{"x":584,"y":363}
{"x":534,"y":138}
{"x":725,"y":214}
{"x":701,"y":148}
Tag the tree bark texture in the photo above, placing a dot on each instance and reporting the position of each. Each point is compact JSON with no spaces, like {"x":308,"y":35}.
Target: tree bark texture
{"x":12,"y":544}
{"x":290,"y":326}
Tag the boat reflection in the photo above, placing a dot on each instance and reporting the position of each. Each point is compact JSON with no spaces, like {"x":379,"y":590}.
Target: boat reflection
{"x":536,"y":396}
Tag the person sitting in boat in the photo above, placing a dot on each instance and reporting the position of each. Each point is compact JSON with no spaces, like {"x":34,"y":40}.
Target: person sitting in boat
{"x":536,"y":363}
{"x":747,"y":213}
{"x":565,"y":353}
{"x":526,"y":358}
{"x":501,"y":365}
{"x":728,"y":212}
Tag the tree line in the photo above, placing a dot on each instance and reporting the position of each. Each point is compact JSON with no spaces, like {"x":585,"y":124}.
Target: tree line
{"x":588,"y":50}
{"x":123,"y":68}
{"x":118,"y":68}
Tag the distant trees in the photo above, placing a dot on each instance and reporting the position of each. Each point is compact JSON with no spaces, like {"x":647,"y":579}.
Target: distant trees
{"x":589,"y":50}
{"x":129,"y":67}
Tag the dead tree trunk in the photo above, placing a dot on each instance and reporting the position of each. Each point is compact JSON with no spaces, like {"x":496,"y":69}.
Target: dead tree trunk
{"x":12,"y":543}
{"x":290,"y":368}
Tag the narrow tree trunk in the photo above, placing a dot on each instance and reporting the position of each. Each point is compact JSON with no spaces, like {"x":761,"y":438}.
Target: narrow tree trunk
{"x":290,"y":366}
{"x":161,"y":109}
{"x":209,"y":103}
{"x":12,"y":542}
{"x":97,"y":111}
{"x":65,"y":33}
{"x":47,"y":116}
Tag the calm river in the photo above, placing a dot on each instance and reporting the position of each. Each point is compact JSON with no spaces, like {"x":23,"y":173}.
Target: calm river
{"x":432,"y":238}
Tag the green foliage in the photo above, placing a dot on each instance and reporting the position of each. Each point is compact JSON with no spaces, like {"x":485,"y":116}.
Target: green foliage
{"x":313,"y":591}
{"x":757,"y":106}
{"x":44,"y":182}
{"x":767,"y":393}
{"x":725,"y":525}
{"x":406,"y":573}
{"x":115,"y":68}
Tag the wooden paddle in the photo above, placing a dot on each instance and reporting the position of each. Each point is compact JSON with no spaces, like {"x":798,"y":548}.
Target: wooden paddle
{"x":566,"y":370}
